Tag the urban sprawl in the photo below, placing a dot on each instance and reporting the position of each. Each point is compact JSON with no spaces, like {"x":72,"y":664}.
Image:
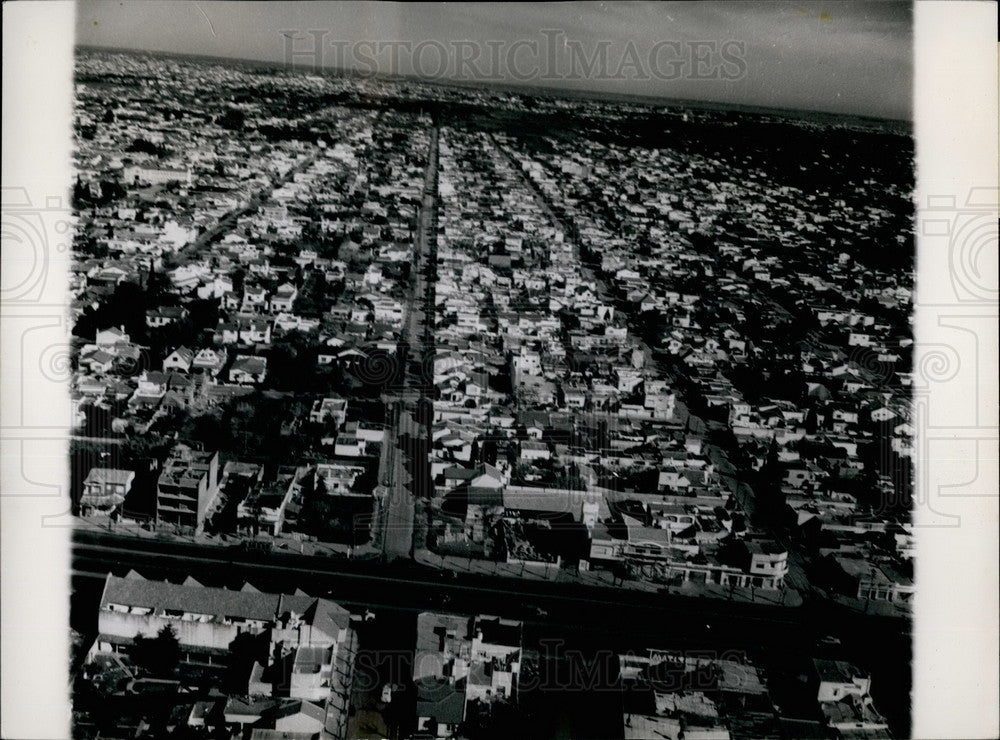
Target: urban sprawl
{"x":382,"y":388}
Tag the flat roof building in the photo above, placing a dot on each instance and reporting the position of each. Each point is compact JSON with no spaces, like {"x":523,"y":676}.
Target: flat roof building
{"x":186,"y":487}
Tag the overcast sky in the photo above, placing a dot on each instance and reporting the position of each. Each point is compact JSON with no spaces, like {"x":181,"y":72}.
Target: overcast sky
{"x":851,"y":57}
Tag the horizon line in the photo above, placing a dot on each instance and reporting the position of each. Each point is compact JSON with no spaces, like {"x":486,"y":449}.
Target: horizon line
{"x":521,"y":88}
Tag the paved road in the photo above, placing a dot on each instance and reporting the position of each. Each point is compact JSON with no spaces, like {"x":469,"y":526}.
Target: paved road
{"x":397,"y":494}
{"x":408,"y":586}
{"x":398,"y":535}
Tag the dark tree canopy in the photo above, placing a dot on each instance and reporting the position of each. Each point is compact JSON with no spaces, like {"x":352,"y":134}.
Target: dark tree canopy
{"x":160,"y":655}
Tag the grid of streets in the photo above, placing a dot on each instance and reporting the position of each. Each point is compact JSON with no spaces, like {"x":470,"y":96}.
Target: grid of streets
{"x":531,"y":364}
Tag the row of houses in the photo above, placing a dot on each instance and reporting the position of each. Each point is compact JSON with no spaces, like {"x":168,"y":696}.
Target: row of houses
{"x":559,"y":401}
{"x":298,"y":686}
{"x":737,"y":303}
{"x":674,"y":695}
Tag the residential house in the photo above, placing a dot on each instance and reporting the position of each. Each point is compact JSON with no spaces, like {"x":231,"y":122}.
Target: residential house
{"x":283,"y":298}
{"x":844,"y":695}
{"x":264,"y":506}
{"x":254,"y":299}
{"x":180,"y":360}
{"x":248,"y":370}
{"x":98,"y":361}
{"x":864,"y":579}
{"x":311,"y":645}
{"x":165,"y":315}
{"x":108,"y":338}
{"x":254,"y":331}
{"x":210,"y":361}
{"x":329,"y":408}
{"x":105,"y":489}
{"x":463,"y":666}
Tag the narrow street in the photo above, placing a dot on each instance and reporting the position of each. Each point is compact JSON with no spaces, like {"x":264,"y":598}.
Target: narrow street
{"x":227,"y":222}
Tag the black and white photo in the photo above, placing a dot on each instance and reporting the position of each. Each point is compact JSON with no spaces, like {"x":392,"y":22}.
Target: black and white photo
{"x":459,"y":370}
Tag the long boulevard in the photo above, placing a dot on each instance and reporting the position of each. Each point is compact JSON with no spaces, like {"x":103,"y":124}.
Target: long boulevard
{"x":396,"y":500}
{"x":408,"y":586}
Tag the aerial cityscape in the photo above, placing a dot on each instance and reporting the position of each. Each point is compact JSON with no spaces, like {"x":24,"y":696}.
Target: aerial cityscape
{"x":408,"y":410}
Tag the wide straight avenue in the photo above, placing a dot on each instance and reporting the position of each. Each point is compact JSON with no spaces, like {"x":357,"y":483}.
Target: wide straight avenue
{"x":410,"y":587}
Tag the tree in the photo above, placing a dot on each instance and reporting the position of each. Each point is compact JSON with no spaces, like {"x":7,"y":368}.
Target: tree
{"x":125,"y":307}
{"x":144,"y":146}
{"x":233,"y":119}
{"x":157,"y":285}
{"x":769,"y":485}
{"x":160,"y":655}
{"x":488,"y":450}
{"x":291,"y":362}
{"x":245,"y":650}
{"x":81,"y":194}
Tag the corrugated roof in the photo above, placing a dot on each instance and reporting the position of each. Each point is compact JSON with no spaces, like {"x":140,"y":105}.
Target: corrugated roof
{"x":133,"y":590}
